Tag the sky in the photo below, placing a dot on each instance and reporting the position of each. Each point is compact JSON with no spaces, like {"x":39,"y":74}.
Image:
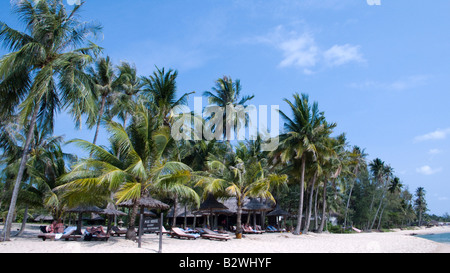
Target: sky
{"x":381,"y":72}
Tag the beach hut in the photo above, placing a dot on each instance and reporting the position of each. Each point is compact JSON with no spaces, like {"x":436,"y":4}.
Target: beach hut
{"x":255,"y":206}
{"x":83,"y":209}
{"x":211,"y":205}
{"x":277,"y":212}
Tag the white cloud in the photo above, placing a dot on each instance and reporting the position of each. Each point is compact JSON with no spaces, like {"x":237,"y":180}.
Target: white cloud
{"x":340,"y":55}
{"x":434,"y":151}
{"x":436,"y":135}
{"x":427,"y":170}
{"x":302,"y":51}
{"x":401,"y":84}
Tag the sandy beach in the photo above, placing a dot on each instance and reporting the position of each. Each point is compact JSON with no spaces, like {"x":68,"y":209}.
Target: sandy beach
{"x":397,"y":241}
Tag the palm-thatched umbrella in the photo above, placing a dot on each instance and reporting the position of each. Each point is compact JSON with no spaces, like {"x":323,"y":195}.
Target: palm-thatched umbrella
{"x":111,"y":212}
{"x":212,"y":205}
{"x":145,"y":202}
{"x":254,"y":205}
{"x":278,"y":211}
{"x":83,"y":209}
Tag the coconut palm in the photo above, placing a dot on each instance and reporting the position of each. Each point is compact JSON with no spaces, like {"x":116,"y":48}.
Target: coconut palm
{"x":304,"y":133}
{"x":227,"y":95}
{"x":161,"y":91}
{"x":134,"y":173}
{"x":420,"y":204}
{"x":104,"y":81}
{"x":44,"y":71}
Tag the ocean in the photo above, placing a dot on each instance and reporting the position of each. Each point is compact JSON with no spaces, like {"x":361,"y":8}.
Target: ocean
{"x":440,"y":238}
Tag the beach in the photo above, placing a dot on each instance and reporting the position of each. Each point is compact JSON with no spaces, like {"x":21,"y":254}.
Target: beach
{"x":395,"y":241}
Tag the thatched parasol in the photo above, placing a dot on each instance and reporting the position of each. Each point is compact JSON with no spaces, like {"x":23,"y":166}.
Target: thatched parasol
{"x":254,"y":205}
{"x":212,"y":205}
{"x":83,"y":209}
{"x":145,"y":202}
{"x":111,"y":212}
{"x":278,"y":211}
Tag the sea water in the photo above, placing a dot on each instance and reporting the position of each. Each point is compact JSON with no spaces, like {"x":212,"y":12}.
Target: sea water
{"x":440,"y":238}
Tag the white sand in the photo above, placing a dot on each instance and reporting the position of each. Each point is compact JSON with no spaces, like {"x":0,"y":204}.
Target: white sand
{"x":388,"y":242}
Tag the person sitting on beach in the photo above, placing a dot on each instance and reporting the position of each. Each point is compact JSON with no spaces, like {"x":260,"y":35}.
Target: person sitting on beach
{"x":96,"y":230}
{"x":59,"y":227}
{"x":51,"y":227}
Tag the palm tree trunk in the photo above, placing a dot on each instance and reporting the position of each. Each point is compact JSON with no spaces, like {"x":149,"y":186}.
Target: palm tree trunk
{"x":131,"y":232}
{"x":379,"y":207}
{"x":316,"y":216}
{"x":239,"y":219}
{"x":24,"y":221}
{"x":175,"y":205}
{"x":100,"y":115}
{"x":6,"y":233}
{"x":348,"y":205}
{"x":324,"y":206}
{"x":302,"y":190}
{"x":308,"y":212}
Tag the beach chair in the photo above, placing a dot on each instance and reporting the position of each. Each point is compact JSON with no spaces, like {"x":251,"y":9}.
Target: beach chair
{"x":250,"y":230}
{"x":164,"y":231}
{"x":67,"y":235}
{"x":209,"y":234}
{"x":178,"y":233}
{"x":115,"y":231}
{"x":92,"y":234}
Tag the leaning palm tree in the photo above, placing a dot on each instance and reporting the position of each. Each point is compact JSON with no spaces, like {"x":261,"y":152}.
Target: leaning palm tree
{"x":227,"y":95}
{"x":45,"y":70}
{"x":305,"y":132}
{"x":136,"y":164}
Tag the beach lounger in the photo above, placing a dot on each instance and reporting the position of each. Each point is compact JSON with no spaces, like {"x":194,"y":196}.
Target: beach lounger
{"x":164,"y":231}
{"x":209,"y":234}
{"x":178,"y":233}
{"x":250,"y":230}
{"x":117,"y":232}
{"x":67,"y":235}
{"x":95,"y":236}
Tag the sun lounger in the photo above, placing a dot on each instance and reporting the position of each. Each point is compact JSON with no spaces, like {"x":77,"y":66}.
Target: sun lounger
{"x":178,"y":233}
{"x":89,"y":235}
{"x":250,"y":230}
{"x":209,"y":234}
{"x":67,"y":235}
{"x":164,"y":231}
{"x":117,"y":232}
{"x":357,"y":230}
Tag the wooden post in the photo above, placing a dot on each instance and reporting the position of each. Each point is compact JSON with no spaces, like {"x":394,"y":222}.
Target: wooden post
{"x":160,"y":233}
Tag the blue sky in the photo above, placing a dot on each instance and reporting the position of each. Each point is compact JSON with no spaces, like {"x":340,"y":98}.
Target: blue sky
{"x":380,"y":72}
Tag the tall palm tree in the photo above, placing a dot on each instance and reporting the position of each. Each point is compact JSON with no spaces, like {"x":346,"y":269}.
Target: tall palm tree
{"x":382,"y":174}
{"x":161,"y":91}
{"x":44,"y":71}
{"x":357,"y":162}
{"x":104,"y":80}
{"x":135,"y":173}
{"x":225,"y":94}
{"x":420,"y":203}
{"x":304,"y":133}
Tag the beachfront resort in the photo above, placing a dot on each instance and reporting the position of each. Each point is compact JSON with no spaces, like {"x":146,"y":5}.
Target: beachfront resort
{"x":157,"y":176}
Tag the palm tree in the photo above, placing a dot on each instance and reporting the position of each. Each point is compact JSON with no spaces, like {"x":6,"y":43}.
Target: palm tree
{"x":104,"y":80}
{"x":305,"y":133}
{"x":420,"y":204}
{"x":382,"y":174}
{"x":161,"y":91}
{"x":44,"y":71}
{"x":129,"y":85}
{"x":357,"y":162}
{"x":135,"y":173}
{"x":227,"y":95}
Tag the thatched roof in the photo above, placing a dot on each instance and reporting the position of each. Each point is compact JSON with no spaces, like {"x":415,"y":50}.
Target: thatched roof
{"x":111,"y":210}
{"x":81,"y":209}
{"x":147,"y":202}
{"x":278,"y":212}
{"x":43,"y":218}
{"x":211,"y":204}
{"x":255,"y":205}
{"x":182,"y":211}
